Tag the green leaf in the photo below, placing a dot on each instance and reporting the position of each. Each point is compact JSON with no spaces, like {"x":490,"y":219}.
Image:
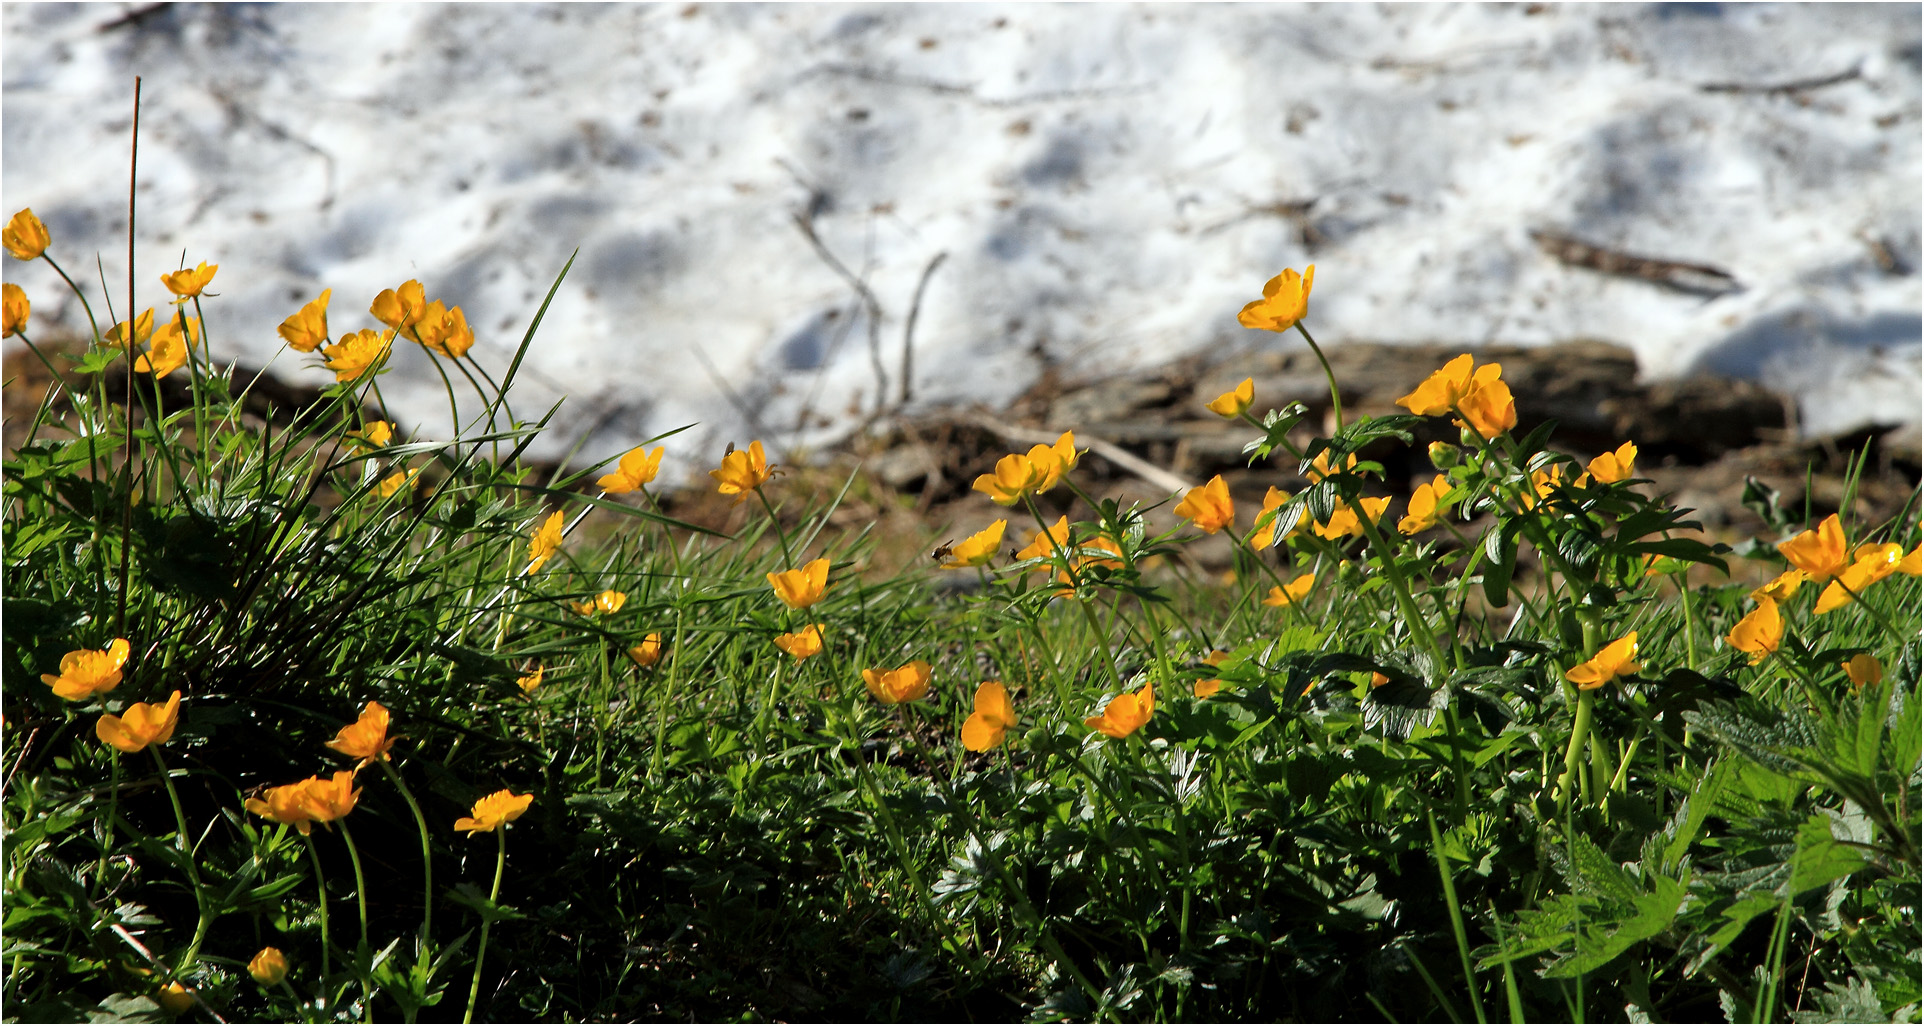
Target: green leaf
{"x":1819,"y":858}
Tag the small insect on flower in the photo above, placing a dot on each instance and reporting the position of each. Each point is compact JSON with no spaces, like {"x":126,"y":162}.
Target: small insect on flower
{"x":905,"y":683}
{"x":187,"y":284}
{"x":978,"y":548}
{"x":990,"y":722}
{"x":637,"y":468}
{"x":799,"y":589}
{"x":1616,"y":659}
{"x":1285,"y":301}
{"x":605,"y":604}
{"x":1209,"y":506}
{"x":140,"y":725}
{"x":268,"y":968}
{"x":1295,"y":593}
{"x":1235,"y":402}
{"x":648,"y":653}
{"x":546,"y":539}
{"x":803,"y":643}
{"x":24,"y":236}
{"x":1759,"y":633}
{"x":495,"y":810}
{"x":366,"y":738}
{"x":13,"y":301}
{"x":1125,"y":714}
{"x":306,"y":328}
{"x":742,"y":471}
{"x":85,"y":673}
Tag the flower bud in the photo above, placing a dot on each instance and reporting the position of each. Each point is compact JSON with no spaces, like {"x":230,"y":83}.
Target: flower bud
{"x":1445,"y":455}
{"x":1470,"y":439}
{"x":269,"y":967}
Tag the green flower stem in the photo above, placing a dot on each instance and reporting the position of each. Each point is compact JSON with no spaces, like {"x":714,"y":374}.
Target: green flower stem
{"x":360,"y":882}
{"x":92,"y":325}
{"x":494,"y":894}
{"x":320,"y":883}
{"x":1579,"y":733}
{"x":1689,"y":620}
{"x":781,"y":534}
{"x":1335,"y":398}
{"x":1456,"y":916}
{"x":186,"y":847}
{"x":1401,"y":589}
{"x":890,"y":829}
{"x":427,"y":857}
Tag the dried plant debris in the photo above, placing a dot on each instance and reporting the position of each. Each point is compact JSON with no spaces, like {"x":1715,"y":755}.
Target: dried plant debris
{"x":1683,"y":276}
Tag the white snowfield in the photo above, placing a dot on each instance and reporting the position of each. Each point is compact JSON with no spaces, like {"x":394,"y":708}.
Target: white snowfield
{"x":1095,"y":188}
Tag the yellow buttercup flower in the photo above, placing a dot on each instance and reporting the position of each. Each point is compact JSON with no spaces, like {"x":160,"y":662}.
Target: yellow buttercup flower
{"x":1616,"y":659}
{"x":1863,"y":668}
{"x":1781,"y":587}
{"x":1321,"y":467}
{"x":1053,"y":461}
{"x":373,"y":435}
{"x":1285,"y":301}
{"x":167,"y":352}
{"x":530,"y":681}
{"x":306,"y":329}
{"x":1264,"y":534}
{"x":175,"y":998}
{"x":1235,"y":402}
{"x":990,"y":722}
{"x":607,"y":603}
{"x":1612,"y":467}
{"x":328,"y":799}
{"x":85,"y":673}
{"x":1759,"y":633}
{"x":547,"y":538}
{"x":1209,"y":507}
{"x":268,"y":968}
{"x":1873,"y":563}
{"x":1293,"y":594}
{"x":978,"y":548}
{"x":1100,"y":541}
{"x":803,"y":643}
{"x":1206,"y":688}
{"x":188,"y":283}
{"x":444,"y":331}
{"x":1820,"y":554}
{"x":799,"y":589}
{"x":1015,"y":475}
{"x":401,"y":308}
{"x":742,"y":471}
{"x":648,"y":653}
{"x":366,"y":738}
{"x":1542,"y":482}
{"x":905,"y":683}
{"x":356,"y":353}
{"x":1343,"y":523}
{"x":1477,"y":393}
{"x":1912,"y":563}
{"x":395,"y":481}
{"x":143,"y":329}
{"x":1426,"y":506}
{"x":140,"y":725}
{"x":284,"y":805}
{"x":13,"y":301}
{"x":496,"y":810}
{"x":637,"y":468}
{"x":24,"y":236}
{"x":1126,"y":713}
{"x":1043,"y":544}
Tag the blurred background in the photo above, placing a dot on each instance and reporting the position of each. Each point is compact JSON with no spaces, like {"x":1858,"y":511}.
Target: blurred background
{"x":766,"y":199}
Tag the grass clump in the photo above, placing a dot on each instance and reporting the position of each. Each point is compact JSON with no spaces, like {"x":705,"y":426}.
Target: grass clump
{"x":297,"y":672}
